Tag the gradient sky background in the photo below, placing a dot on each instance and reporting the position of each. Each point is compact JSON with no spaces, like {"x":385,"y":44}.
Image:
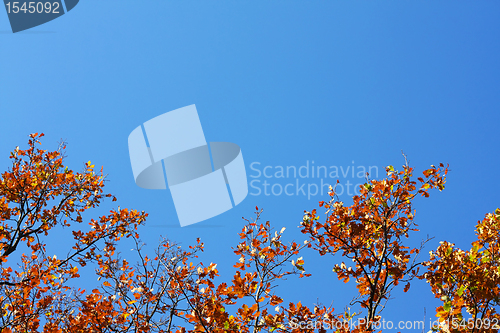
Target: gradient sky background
{"x":290,"y":82}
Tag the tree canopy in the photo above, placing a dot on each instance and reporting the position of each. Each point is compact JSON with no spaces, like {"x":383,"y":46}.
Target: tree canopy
{"x":173,"y":291}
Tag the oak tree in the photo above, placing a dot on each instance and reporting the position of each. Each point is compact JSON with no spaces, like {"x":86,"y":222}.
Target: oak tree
{"x":468,"y":282}
{"x":371,"y":233}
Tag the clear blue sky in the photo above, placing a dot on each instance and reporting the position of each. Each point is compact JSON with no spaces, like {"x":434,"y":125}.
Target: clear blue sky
{"x":291,"y":82}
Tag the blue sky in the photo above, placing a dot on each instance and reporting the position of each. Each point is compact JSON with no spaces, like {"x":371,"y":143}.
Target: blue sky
{"x":290,"y":82}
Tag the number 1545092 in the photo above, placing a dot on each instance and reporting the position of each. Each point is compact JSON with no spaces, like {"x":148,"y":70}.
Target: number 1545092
{"x":32,"y":7}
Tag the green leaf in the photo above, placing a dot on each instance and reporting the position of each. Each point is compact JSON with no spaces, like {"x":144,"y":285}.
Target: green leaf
{"x":461,"y":290}
{"x":447,"y":306}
